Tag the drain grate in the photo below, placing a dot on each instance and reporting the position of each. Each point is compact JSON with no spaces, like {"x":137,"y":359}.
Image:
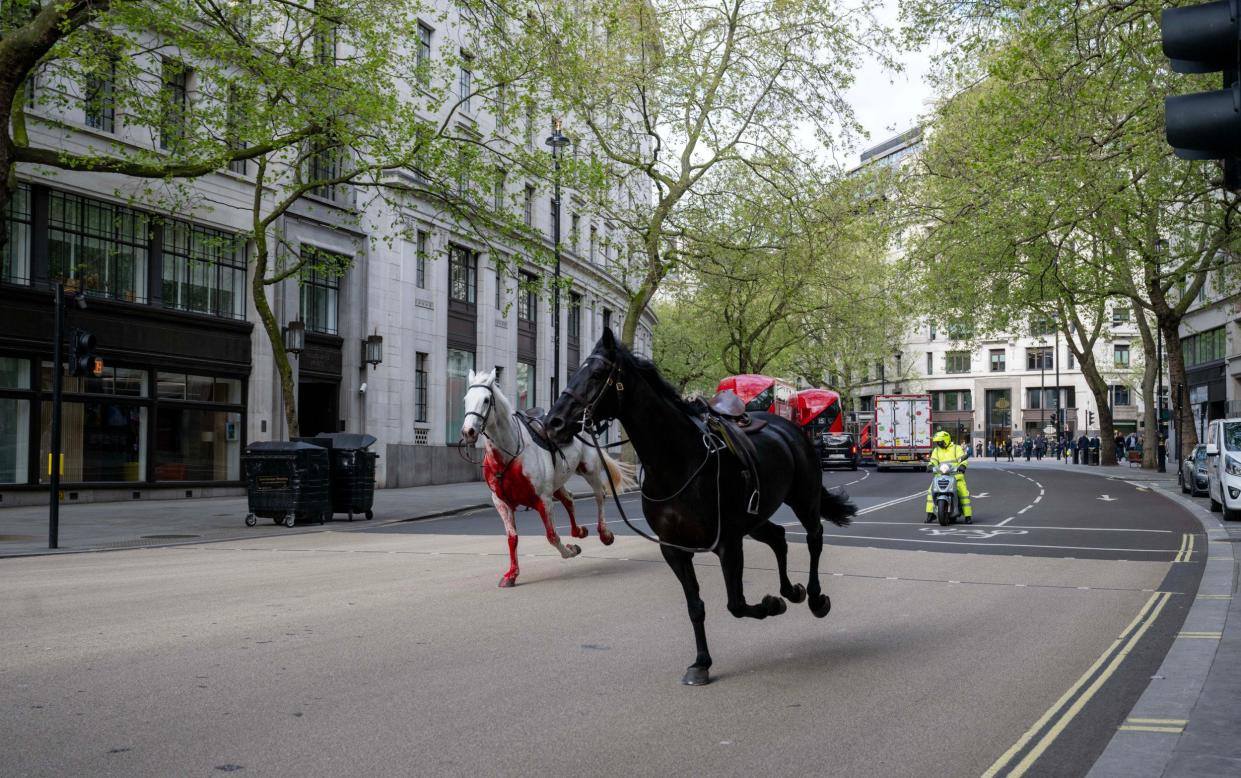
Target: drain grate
{"x":169,"y":537}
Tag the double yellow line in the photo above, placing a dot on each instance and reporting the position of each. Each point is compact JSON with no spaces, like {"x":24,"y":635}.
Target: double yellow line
{"x":1065,"y":709}
{"x":1187,"y":549}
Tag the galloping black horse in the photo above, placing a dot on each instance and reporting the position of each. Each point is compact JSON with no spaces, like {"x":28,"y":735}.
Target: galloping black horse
{"x":695,"y":495}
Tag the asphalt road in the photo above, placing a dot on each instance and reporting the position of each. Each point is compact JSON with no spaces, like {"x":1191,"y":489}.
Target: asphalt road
{"x":391,"y":651}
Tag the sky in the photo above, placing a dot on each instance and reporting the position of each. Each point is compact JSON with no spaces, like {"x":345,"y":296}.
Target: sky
{"x":886,"y":103}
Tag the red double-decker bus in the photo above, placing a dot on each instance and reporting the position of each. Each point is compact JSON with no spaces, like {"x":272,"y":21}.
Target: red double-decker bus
{"x":818,"y":411}
{"x":762,"y":393}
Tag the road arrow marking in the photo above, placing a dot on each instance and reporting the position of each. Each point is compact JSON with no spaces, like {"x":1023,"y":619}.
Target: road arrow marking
{"x":1105,"y":498}
{"x":981,"y":494}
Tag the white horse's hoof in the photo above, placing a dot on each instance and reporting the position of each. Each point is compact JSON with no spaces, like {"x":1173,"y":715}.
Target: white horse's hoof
{"x":571,"y":550}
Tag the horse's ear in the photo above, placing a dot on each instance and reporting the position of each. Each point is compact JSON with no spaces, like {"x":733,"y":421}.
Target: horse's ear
{"x":608,"y":340}
{"x":471,"y":379}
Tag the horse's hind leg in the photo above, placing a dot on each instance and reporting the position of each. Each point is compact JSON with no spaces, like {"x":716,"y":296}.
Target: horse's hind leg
{"x":595,"y":477}
{"x":773,"y":535}
{"x":682,"y":563}
{"x":732,"y":561}
{"x":820,"y":603}
{"x":566,"y":500}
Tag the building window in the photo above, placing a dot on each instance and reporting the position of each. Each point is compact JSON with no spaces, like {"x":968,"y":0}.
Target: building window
{"x":234,"y":115}
{"x":1042,"y":325}
{"x":320,"y":288}
{"x":204,"y":270}
{"x":1120,"y":315}
{"x":575,"y":315}
{"x":102,"y":245}
{"x":15,"y":255}
{"x":324,"y":41}
{"x":997,"y":360}
{"x":1120,"y":395}
{"x":465,"y":83}
{"x":422,"y":62}
{"x":552,"y":216}
{"x":953,"y":400}
{"x":197,"y":428}
{"x":420,"y":260}
{"x":1120,"y":355}
{"x":15,"y":421}
{"x":324,"y":166}
{"x":501,"y":106}
{"x":930,"y":363}
{"x":1204,"y":347}
{"x":957,"y":362}
{"x":420,"y":387}
{"x":498,"y":190}
{"x":175,"y":111}
{"x":530,"y":126}
{"x":575,"y":230}
{"x":1040,"y":358}
{"x":526,"y":298}
{"x":460,"y":363}
{"x":499,"y":288}
{"x":528,"y":206}
{"x":960,"y":331}
{"x":1068,"y":359}
{"x":99,"y":104}
{"x":1040,"y":399}
{"x":462,"y":274}
{"x":526,"y":392}
{"x":930,"y":331}
{"x":594,"y":245}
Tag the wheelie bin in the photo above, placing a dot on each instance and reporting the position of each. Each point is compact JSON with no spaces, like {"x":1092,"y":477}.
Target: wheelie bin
{"x":353,"y":471}
{"x":287,"y":481}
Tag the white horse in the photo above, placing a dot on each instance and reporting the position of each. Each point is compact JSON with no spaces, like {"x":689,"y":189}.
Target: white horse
{"x":520,"y":472}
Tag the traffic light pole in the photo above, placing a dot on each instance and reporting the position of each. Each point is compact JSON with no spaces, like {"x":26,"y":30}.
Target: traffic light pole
{"x":58,"y":328}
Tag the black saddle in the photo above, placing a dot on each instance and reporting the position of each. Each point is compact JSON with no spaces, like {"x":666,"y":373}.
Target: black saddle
{"x":533,"y":419}
{"x":727,"y":405}
{"x":726,"y":418}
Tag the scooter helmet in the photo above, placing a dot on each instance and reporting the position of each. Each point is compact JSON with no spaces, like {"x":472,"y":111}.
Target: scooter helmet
{"x":942,"y":439}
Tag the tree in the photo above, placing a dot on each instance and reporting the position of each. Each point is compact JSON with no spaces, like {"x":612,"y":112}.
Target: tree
{"x":666,"y":93}
{"x":1049,"y":164}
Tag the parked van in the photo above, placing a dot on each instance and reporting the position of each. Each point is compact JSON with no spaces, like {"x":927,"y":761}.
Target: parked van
{"x":1224,"y":467}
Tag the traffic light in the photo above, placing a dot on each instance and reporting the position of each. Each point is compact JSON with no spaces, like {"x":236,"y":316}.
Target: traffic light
{"x":1206,"y":125}
{"x":1089,"y":419}
{"x":82,"y":358}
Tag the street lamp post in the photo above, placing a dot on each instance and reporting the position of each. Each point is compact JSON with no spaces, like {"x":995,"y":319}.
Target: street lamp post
{"x":883,"y":379}
{"x":557,"y":141}
{"x":1042,"y":369}
{"x":1160,"y":245}
{"x":898,"y":372}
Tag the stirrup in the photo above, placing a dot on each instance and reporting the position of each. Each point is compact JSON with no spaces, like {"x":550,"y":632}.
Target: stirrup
{"x":752,"y":506}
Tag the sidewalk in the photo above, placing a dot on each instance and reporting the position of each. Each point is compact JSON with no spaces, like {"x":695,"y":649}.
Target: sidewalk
{"x":102,"y":526}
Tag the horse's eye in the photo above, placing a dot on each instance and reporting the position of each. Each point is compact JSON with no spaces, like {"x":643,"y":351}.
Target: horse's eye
{"x":486,"y":400}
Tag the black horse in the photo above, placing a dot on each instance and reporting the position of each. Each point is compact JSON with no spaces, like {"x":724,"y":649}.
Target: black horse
{"x":695,"y":496}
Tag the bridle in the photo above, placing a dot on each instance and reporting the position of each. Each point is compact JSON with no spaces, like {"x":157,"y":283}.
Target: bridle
{"x":589,"y":422}
{"x":595,"y":428}
{"x":482,"y":431}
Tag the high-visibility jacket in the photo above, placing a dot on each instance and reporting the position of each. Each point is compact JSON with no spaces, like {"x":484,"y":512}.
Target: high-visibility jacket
{"x":952,"y":453}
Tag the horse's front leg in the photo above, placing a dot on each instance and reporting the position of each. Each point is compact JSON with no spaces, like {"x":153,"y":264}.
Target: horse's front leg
{"x":566,"y":550}
{"x":566,"y":500}
{"x":732,"y":562}
{"x":773,"y":535}
{"x":682,"y":563}
{"x":596,"y":484}
{"x":510,"y":529}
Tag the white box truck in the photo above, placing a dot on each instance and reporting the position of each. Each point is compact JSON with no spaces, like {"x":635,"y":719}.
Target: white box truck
{"x":902,"y":430}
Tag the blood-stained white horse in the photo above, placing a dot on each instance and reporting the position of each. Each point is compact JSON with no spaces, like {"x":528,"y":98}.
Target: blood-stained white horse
{"x":521,"y":472}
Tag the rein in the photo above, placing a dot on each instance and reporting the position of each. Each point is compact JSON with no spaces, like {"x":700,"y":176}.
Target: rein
{"x":712,"y":444}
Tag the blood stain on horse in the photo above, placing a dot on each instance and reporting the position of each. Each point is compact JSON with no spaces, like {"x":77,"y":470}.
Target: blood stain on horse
{"x":509,"y":482}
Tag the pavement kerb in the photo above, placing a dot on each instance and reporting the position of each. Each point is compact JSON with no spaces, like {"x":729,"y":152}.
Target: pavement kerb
{"x":292,"y":531}
{"x":1183,"y":674}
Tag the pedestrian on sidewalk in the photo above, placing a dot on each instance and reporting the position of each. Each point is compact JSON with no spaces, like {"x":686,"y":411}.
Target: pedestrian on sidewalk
{"x":1120,"y":448}
{"x":1083,"y":450}
{"x":1027,"y":447}
{"x":1008,"y":449}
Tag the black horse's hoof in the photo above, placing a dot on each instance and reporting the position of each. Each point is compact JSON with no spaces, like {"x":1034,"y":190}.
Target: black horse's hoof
{"x":696,"y":676}
{"x":774,"y":605}
{"x":797,"y":595}
{"x":820,"y":607}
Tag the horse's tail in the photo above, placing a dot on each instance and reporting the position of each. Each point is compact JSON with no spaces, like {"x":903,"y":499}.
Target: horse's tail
{"x":624,"y":475}
{"x":836,"y":507}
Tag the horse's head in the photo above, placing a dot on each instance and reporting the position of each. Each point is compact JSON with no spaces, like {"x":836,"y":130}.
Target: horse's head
{"x":593,"y":388}
{"x":480,"y":402}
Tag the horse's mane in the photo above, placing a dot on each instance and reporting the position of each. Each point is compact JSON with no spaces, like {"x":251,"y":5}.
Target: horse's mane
{"x":664,"y":390}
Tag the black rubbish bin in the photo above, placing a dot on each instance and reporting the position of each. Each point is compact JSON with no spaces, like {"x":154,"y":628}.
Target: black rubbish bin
{"x":353,"y":471}
{"x":287,"y":481}
{"x":1094,"y":456}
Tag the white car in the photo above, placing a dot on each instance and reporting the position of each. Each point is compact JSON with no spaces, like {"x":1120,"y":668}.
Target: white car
{"x":1224,"y":467}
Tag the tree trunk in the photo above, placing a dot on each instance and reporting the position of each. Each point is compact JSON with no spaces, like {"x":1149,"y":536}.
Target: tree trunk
{"x":1100,"y":389}
{"x":1186,"y":429}
{"x":1150,"y":372}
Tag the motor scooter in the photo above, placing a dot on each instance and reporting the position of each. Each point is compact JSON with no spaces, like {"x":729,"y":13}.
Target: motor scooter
{"x":944,"y":493}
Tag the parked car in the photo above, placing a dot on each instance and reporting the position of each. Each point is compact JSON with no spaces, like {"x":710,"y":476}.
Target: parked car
{"x":837,"y":449}
{"x":1224,"y":467}
{"x":1193,"y":475}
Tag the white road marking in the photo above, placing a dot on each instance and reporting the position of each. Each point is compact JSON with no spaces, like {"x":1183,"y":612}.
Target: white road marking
{"x":1105,"y":498}
{"x":1002,"y":523}
{"x":1028,"y":526}
{"x":992,"y":545}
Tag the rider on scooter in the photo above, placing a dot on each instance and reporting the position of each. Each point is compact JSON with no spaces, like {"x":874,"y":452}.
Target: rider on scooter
{"x":947,"y":451}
